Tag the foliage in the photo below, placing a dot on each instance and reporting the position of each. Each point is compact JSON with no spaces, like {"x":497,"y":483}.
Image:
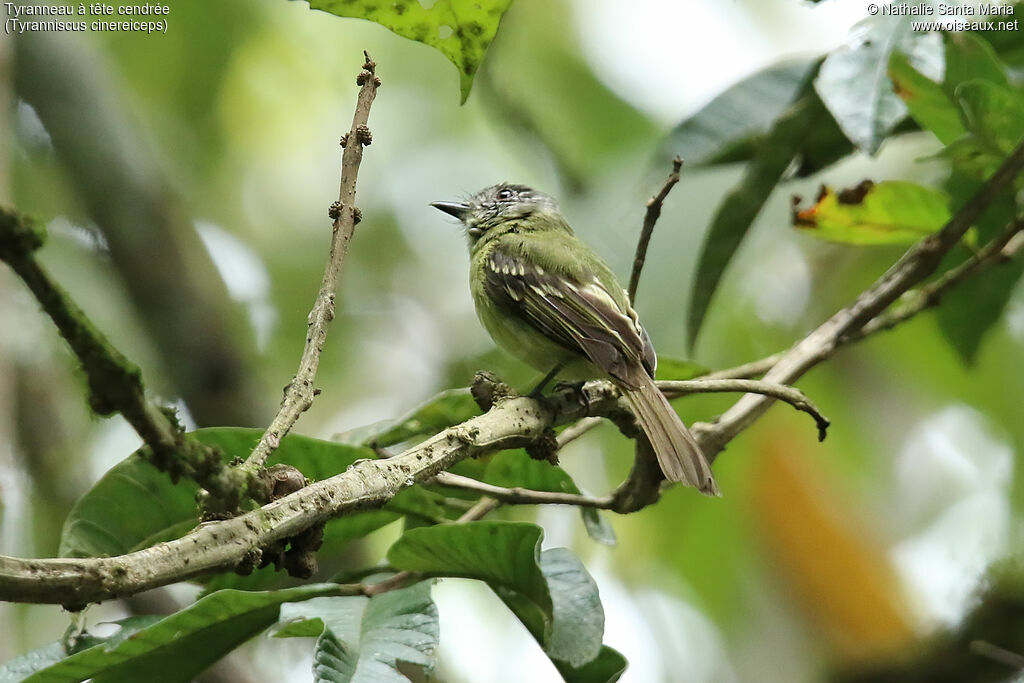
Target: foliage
{"x":783,"y":123}
{"x":461,"y":29}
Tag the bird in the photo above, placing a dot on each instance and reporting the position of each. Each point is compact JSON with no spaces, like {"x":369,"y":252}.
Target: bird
{"x":547,"y":298}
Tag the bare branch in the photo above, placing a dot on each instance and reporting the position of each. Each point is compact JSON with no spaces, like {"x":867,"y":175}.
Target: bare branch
{"x":790,"y":395}
{"x":575,"y":431}
{"x":299,"y":393}
{"x":521,"y":496}
{"x":654,"y":205}
{"x":916,"y":264}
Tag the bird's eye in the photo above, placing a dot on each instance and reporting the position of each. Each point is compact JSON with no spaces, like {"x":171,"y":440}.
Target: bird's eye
{"x":506,"y":194}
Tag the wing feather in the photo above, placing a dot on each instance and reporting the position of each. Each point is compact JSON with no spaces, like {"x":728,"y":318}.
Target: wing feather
{"x":583,"y":317}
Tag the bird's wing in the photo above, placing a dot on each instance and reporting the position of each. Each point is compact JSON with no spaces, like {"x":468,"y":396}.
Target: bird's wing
{"x":577,"y":312}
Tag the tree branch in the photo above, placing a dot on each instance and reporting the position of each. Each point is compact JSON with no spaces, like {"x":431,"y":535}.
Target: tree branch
{"x":115,"y":383}
{"x":521,"y":496}
{"x":651,"y":217}
{"x":790,"y":395}
{"x":223,"y":545}
{"x":299,"y":393}
{"x":511,"y":422}
{"x":916,"y":264}
{"x":997,"y":251}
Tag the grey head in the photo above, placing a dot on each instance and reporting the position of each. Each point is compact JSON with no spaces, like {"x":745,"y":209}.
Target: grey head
{"x":495,"y":205}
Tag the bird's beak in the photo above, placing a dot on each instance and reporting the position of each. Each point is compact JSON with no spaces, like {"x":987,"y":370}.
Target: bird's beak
{"x":457,"y":209}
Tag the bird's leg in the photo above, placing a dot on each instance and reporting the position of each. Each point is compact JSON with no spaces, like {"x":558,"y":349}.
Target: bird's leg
{"x":577,"y":388}
{"x":538,"y":390}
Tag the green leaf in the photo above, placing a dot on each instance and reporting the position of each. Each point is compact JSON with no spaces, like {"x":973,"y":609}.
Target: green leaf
{"x":969,"y":58}
{"x":447,"y":408}
{"x":1006,"y":42}
{"x":546,"y":95}
{"x":367,"y":639}
{"x":607,"y":667}
{"x":747,"y":110}
{"x":550,"y":592}
{"x":994,"y":114}
{"x":19,"y":668}
{"x":733,"y":127}
{"x":514,"y":468}
{"x":853,"y":81}
{"x":186,"y":642}
{"x":891,"y":212}
{"x":501,"y":553}
{"x":740,"y":207}
{"x":578,"y":617}
{"x":927,"y":100}
{"x":420,"y":502}
{"x":971,"y":309}
{"x":677,"y":370}
{"x":461,"y":30}
{"x":134,"y":505}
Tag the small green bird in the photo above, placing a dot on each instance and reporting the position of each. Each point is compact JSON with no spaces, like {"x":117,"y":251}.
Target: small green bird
{"x":547,"y":298}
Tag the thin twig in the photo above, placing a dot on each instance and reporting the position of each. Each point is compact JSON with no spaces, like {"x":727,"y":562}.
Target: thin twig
{"x":747,"y":370}
{"x":790,"y":395}
{"x":521,"y":496}
{"x":1011,"y":242}
{"x":299,"y":393}
{"x":1009,"y":658}
{"x":575,"y":431}
{"x":926,"y":297}
{"x":654,"y":205}
{"x":480,"y":509}
{"x":916,"y":264}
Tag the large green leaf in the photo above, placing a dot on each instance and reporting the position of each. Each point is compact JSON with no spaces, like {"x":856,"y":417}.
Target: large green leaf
{"x":184,"y":643}
{"x":19,"y":668}
{"x":969,"y":57}
{"x":927,"y":100}
{"x":891,"y":212}
{"x":515,"y":468}
{"x":573,"y":632}
{"x":993,"y":113}
{"x":550,"y":592}
{"x":1005,"y":41}
{"x":740,"y":207}
{"x":734,"y":126}
{"x":538,"y":84}
{"x":501,"y":553}
{"x":368,"y":639}
{"x":461,"y":29}
{"x":971,"y":309}
{"x":22,"y":667}
{"x":607,"y":667}
{"x":447,"y":408}
{"x":678,"y":370}
{"x":134,"y":505}
{"x":729,"y":122}
{"x":853,"y":81}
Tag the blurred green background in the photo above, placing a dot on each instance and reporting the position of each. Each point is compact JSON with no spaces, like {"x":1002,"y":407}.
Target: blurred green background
{"x":817,"y":555}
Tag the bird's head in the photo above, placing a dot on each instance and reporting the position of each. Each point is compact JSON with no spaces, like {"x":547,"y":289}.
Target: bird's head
{"x":497,"y":205}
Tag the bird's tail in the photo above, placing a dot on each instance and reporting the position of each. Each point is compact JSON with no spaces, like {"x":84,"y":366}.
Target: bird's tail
{"x":678,"y":454}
